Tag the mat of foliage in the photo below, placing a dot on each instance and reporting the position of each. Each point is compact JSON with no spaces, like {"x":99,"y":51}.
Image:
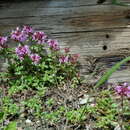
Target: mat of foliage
{"x":64,"y":107}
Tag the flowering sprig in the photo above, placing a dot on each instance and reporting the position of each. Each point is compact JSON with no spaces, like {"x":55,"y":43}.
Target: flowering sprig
{"x":22,"y":51}
{"x":19,"y":35}
{"x":53,"y":44}
{"x":74,"y":58}
{"x":28,"y":30}
{"x":123,"y":90}
{"x":39,"y":37}
{"x":35,"y":58}
{"x":64,"y":59}
{"x":3,"y":41}
{"x":67,"y":50}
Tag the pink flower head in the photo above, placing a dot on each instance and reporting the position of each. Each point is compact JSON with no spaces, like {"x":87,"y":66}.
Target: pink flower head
{"x":64,"y":59}
{"x":3,"y":40}
{"x":19,"y":35}
{"x":74,"y":58}
{"x":125,"y":84}
{"x":67,"y":50}
{"x":93,"y":105}
{"x":123,"y":90}
{"x":39,"y":37}
{"x":35,"y":58}
{"x":22,"y":51}
{"x":28,"y":30}
{"x":128,"y":91}
{"x":53,"y":44}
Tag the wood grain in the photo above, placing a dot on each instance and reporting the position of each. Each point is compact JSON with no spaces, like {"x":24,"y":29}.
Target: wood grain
{"x":100,"y":33}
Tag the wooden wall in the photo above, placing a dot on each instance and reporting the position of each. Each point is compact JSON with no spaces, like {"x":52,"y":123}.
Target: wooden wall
{"x":99,"y":33}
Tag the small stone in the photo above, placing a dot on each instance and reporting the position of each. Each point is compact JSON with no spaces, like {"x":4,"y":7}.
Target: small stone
{"x":93,"y":105}
{"x":38,"y":122}
{"x":22,"y":115}
{"x":19,"y":128}
{"x":84,"y":100}
{"x":28,"y":121}
{"x":118,"y":127}
{"x":6,"y":122}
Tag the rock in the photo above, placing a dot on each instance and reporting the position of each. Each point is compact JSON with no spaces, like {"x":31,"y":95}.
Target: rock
{"x":28,"y":121}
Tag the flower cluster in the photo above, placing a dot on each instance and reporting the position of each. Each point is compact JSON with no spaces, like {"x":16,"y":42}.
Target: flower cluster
{"x":64,"y":59}
{"x":53,"y":44}
{"x":123,"y":90}
{"x":23,"y":35}
{"x":3,"y":40}
{"x":19,"y":35}
{"x":74,"y":58}
{"x":39,"y":37}
{"x":67,"y":50}
{"x":35,"y":58}
{"x":28,"y":30}
{"x":22,"y":51}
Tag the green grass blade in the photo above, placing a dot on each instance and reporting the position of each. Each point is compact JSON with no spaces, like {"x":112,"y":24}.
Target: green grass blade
{"x":111,"y":71}
{"x":119,"y":3}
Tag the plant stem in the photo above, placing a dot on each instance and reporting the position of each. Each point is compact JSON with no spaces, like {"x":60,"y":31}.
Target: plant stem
{"x":122,"y":111}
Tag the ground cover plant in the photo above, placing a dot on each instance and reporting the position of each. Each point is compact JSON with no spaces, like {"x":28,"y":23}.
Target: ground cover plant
{"x":41,"y":88}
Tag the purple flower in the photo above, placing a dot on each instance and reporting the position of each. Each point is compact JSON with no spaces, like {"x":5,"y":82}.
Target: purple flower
{"x":67,"y":50}
{"x":35,"y":58}
{"x":19,"y":35}
{"x":64,"y":59}
{"x":53,"y":44}
{"x":22,"y":51}
{"x":123,"y":90}
{"x":128,"y":91}
{"x":3,"y":40}
{"x":28,"y":30}
{"x":74,"y":58}
{"x":39,"y":37}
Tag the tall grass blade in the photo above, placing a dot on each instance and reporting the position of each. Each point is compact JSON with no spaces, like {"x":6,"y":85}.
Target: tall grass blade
{"x":119,"y":3}
{"x":111,"y":71}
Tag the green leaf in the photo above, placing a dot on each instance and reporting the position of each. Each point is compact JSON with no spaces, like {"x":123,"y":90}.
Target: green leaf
{"x":11,"y":126}
{"x":119,"y":3}
{"x":1,"y":115}
{"x":127,"y":113}
{"x":111,"y":71}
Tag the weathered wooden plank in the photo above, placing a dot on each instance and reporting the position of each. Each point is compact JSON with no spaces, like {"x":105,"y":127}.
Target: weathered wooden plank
{"x":25,"y":11}
{"x":47,"y":3}
{"x":71,"y":23}
{"x":120,"y":76}
{"x":71,"y":19}
{"x":92,"y":43}
{"x":61,"y":19}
